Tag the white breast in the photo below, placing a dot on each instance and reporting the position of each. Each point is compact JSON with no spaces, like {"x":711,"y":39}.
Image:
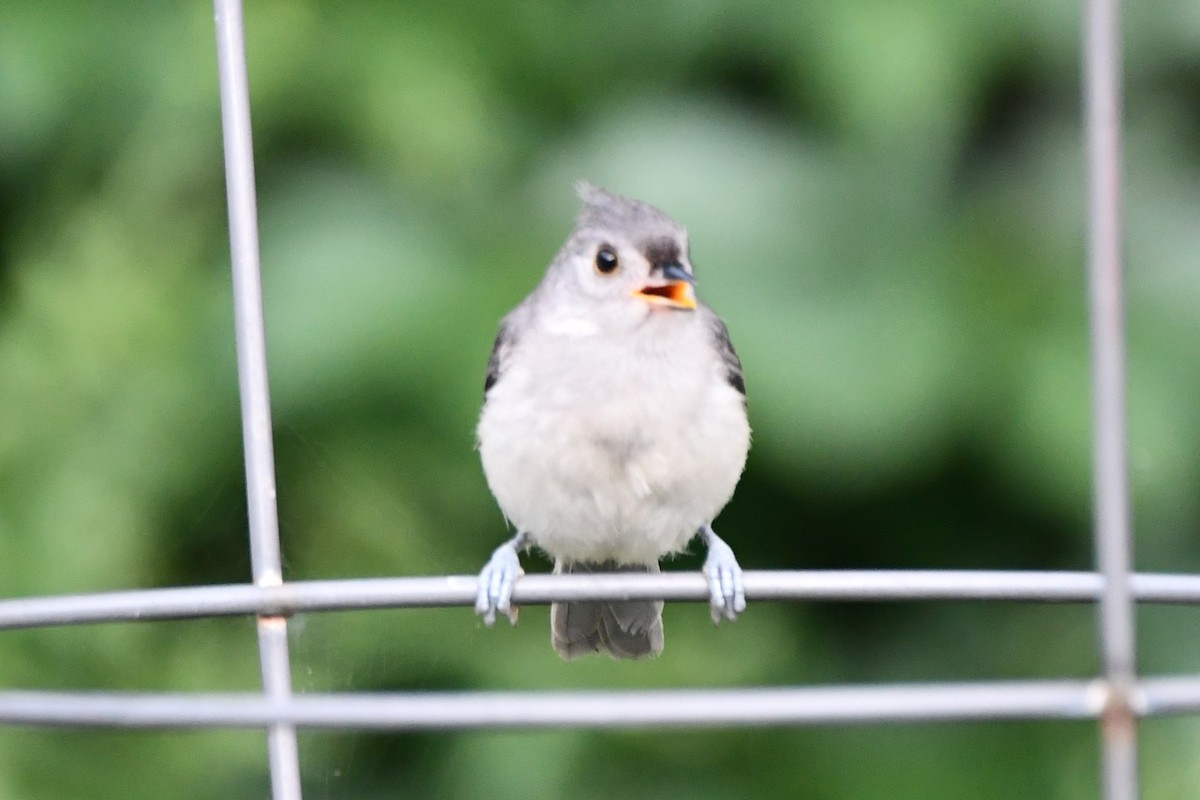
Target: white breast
{"x":614,"y":448}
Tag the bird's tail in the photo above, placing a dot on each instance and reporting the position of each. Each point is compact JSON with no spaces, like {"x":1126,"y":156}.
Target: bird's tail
{"x":623,"y":629}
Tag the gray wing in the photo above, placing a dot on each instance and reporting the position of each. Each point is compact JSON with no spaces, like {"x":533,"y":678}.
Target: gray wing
{"x":501,"y":348}
{"x":729,"y":356}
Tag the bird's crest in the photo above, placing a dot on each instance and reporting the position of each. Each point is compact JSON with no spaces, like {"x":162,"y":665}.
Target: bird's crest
{"x":610,"y":211}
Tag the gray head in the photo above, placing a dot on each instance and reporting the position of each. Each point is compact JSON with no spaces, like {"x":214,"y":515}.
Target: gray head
{"x":625,"y":259}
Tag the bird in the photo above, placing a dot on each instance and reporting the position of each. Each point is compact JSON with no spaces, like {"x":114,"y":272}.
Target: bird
{"x":614,"y":426}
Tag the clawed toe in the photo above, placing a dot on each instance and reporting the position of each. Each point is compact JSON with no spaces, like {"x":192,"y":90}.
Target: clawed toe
{"x":727,"y":594}
{"x":496,"y":581}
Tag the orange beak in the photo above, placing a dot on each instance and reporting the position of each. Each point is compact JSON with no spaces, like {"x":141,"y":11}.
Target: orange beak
{"x":676,"y":294}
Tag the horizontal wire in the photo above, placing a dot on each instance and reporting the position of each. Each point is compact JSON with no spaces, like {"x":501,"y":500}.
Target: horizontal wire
{"x":1173,"y":695}
{"x":809,"y":705}
{"x":459,"y":590}
{"x":616,"y":709}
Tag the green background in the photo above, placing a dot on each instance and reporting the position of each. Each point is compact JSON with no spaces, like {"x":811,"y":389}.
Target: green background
{"x":885,"y":201}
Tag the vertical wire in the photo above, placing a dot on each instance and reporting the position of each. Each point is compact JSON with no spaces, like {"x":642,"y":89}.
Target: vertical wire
{"x":252,"y":382}
{"x":1102,"y":105}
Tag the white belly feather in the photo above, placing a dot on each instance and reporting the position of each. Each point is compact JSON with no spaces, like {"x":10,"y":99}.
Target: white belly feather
{"x":614,"y":450}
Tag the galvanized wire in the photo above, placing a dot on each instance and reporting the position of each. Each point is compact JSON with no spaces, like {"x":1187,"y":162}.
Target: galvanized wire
{"x":808,"y":705}
{"x":629,"y":709}
{"x":252,"y":383}
{"x":1110,"y":444}
{"x":459,"y":590}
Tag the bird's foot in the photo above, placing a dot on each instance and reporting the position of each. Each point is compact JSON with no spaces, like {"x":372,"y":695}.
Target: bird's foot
{"x":496,"y":581}
{"x":728,"y":597}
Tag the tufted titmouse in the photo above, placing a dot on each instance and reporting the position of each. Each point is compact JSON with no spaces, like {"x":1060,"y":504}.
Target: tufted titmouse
{"x":614,"y":425}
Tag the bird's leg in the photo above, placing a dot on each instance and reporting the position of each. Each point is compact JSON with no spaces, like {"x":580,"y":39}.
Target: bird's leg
{"x":496,"y":581}
{"x":728,"y":597}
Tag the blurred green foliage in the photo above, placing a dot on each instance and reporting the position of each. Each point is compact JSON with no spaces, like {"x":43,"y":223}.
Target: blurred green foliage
{"x":886,"y":204}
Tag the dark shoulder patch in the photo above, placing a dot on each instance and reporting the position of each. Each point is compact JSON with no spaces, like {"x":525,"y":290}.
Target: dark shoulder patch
{"x":729,"y":356}
{"x":499,"y":348}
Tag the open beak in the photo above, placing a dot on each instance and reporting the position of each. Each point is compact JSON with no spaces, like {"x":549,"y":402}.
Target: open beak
{"x":676,"y":292}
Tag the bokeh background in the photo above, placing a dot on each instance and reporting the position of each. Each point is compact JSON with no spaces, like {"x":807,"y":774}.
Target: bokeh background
{"x":886,"y":204}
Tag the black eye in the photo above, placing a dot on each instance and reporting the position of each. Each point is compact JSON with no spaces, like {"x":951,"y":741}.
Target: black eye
{"x":606,"y":261}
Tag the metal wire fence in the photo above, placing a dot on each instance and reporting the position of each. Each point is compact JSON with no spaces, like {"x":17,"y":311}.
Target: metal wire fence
{"x":1117,"y":697}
